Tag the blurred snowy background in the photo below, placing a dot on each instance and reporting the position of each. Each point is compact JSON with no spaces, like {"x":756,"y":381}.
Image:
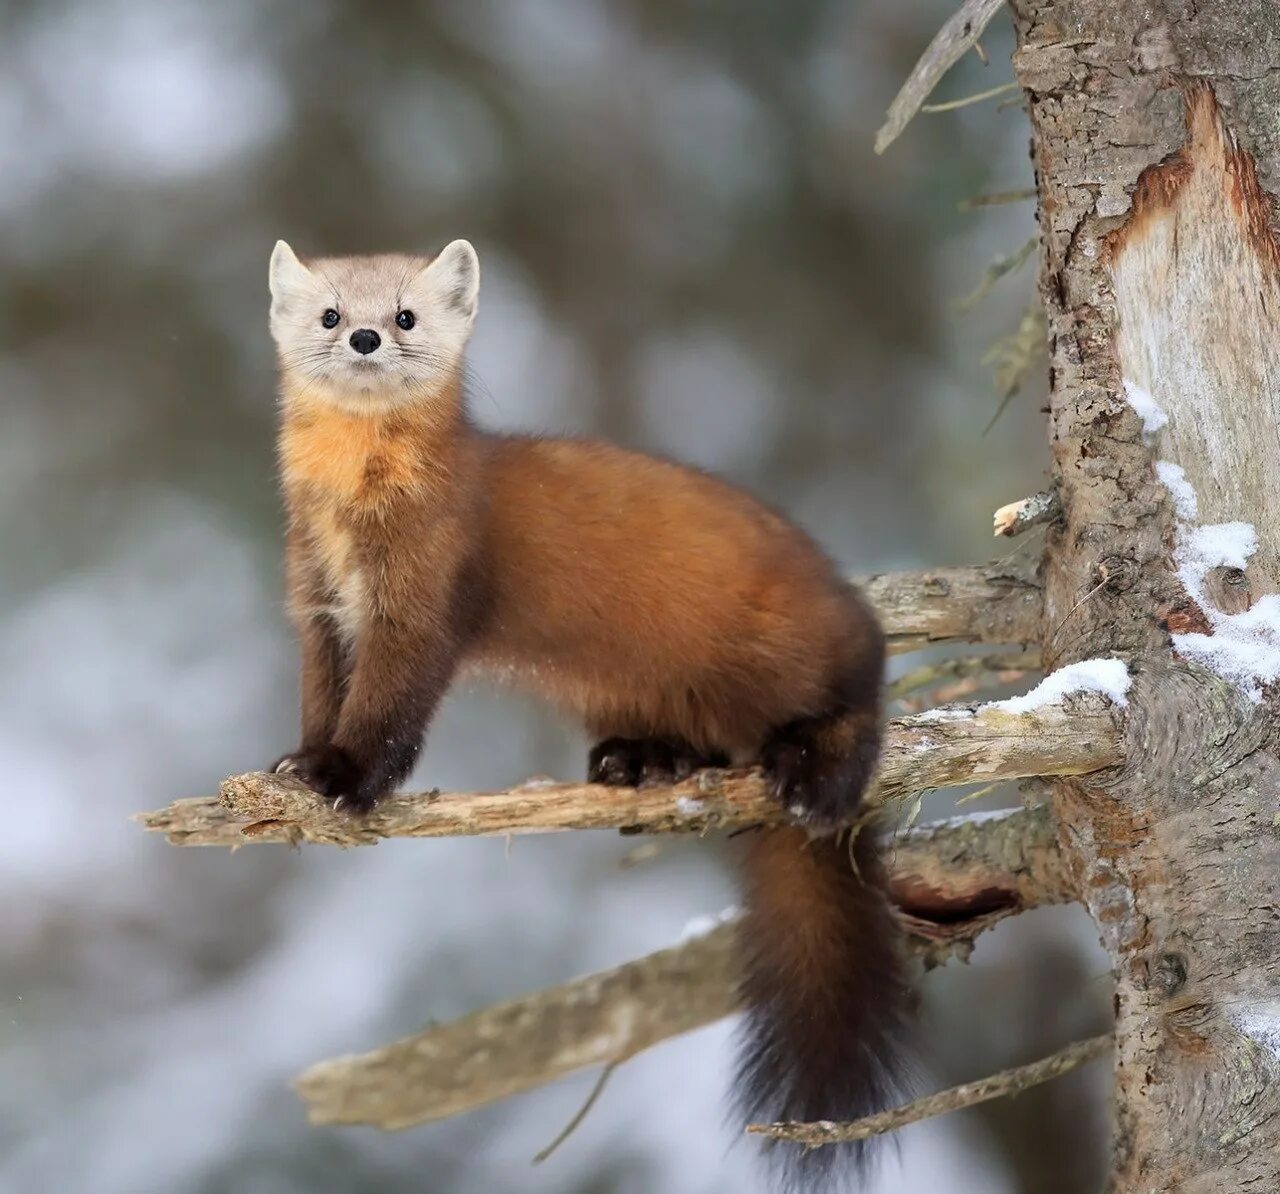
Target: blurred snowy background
{"x":687,"y":246}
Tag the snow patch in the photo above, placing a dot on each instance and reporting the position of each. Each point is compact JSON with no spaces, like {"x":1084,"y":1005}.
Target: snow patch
{"x":686,"y":806}
{"x":1146,"y":408}
{"x":975,"y":818}
{"x":1107,"y":676}
{"x":944,"y":714}
{"x":1220,"y":545}
{"x":1174,"y":479}
{"x":700,"y":926}
{"x":1260,"y":1022}
{"x":1243,"y":648}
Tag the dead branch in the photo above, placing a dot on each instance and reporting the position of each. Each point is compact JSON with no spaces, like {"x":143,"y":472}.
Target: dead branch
{"x":995,"y":199}
{"x":1006,"y":263}
{"x":1007,"y":1082}
{"x":961,"y":675}
{"x":952,"y":880}
{"x":992,"y":603}
{"x":1012,"y":357}
{"x":949,"y":45}
{"x":977,"y":97}
{"x":939,"y":749}
{"x":1031,"y":511}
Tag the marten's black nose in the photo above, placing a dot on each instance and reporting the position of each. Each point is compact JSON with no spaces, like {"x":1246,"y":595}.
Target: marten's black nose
{"x":365,"y":340}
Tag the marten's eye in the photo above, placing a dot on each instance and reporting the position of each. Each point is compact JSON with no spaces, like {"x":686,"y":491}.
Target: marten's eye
{"x":405,"y":320}
{"x":330,"y":318}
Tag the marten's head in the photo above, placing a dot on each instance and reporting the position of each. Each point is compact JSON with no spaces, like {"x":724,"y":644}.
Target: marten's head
{"x":372,"y":333}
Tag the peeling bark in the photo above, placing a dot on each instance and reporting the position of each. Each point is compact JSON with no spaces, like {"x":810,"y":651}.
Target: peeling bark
{"x":1156,"y":136}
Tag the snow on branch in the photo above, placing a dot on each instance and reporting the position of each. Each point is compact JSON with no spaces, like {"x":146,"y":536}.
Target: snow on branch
{"x":951,"y":881}
{"x":938,"y":749}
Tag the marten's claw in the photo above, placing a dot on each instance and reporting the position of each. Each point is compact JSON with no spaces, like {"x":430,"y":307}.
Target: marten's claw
{"x":616,"y":762}
{"x":818,"y":787}
{"x":635,"y":762}
{"x":331,"y":772}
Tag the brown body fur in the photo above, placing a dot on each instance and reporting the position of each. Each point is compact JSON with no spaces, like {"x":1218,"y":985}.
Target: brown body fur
{"x":681,"y":620}
{"x":648,"y":599}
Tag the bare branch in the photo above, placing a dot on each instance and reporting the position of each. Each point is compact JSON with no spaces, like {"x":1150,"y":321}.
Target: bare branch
{"x":938,"y":749}
{"x":951,"y":43}
{"x":960,"y":676}
{"x":952,"y":880}
{"x":1012,"y":356}
{"x":1007,"y":1082}
{"x":994,"y":603}
{"x":995,"y":199}
{"x":1004,"y":264}
{"x":977,"y":97}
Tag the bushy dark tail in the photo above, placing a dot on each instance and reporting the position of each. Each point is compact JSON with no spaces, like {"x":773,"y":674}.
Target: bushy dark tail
{"x":826,"y":994}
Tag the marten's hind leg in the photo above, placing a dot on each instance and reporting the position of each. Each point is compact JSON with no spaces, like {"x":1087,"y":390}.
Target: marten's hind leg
{"x":820,"y":765}
{"x":629,"y":762}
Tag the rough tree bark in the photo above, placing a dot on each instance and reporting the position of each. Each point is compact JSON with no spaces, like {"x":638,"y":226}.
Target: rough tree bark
{"x":1156,"y":142}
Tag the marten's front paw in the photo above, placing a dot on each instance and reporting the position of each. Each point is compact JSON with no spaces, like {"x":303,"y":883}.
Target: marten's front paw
{"x":630,"y":762}
{"x":330,"y":771}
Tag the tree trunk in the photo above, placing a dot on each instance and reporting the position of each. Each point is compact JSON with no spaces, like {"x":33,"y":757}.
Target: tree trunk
{"x":1156,"y":141}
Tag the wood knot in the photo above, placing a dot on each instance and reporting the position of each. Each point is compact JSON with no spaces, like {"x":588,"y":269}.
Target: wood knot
{"x":1117,"y":574}
{"x":1229,"y":590}
{"x":1170,"y":974}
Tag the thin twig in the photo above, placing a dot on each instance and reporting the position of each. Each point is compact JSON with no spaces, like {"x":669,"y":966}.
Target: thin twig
{"x":1007,"y":1082}
{"x":1030,"y":540}
{"x":1101,"y":584}
{"x":985,"y":790}
{"x":581,"y":1113}
{"x":1013,"y":357}
{"x":976,"y":98}
{"x":948,"y":46}
{"x":995,"y":199}
{"x":1001,"y":266}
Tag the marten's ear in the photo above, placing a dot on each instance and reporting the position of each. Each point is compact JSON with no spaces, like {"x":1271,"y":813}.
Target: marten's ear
{"x":453,"y":280}
{"x":286,"y":273}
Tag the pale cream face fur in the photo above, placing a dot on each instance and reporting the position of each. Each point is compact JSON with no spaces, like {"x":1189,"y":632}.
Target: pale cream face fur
{"x":368,"y":293}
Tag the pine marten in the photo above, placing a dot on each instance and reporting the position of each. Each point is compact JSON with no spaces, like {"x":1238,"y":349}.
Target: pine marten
{"x":683,"y":621}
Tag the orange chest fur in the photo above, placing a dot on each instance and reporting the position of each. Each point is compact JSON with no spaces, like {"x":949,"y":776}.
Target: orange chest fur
{"x":353,"y":463}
